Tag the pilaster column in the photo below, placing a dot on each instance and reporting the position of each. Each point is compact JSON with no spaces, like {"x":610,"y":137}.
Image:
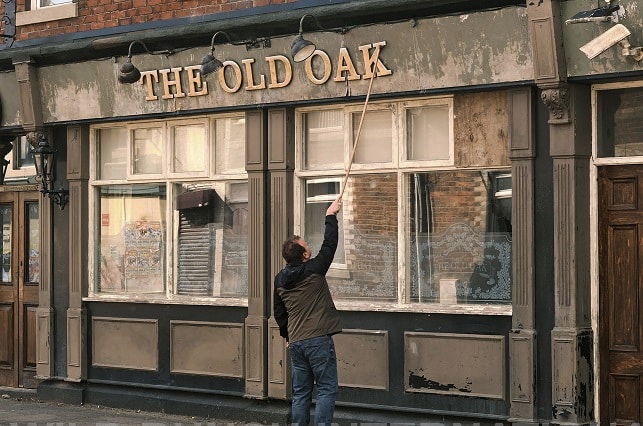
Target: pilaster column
{"x":31,"y":121}
{"x":77,"y":176}
{"x":281,"y":163}
{"x":256,"y":322}
{"x":571,"y":338}
{"x":522,"y":340}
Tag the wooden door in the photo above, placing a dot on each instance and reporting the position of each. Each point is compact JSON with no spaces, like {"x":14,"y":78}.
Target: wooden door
{"x":19,"y":279}
{"x":620,"y":222}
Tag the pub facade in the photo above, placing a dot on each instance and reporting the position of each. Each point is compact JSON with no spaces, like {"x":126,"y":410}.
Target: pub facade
{"x":489,"y":250}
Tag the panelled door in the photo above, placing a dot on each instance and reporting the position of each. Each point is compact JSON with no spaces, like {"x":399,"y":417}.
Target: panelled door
{"x":620,"y":235}
{"x":20,"y":275}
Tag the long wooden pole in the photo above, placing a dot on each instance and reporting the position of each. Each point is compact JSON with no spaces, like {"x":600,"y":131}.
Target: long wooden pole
{"x":361,"y":121}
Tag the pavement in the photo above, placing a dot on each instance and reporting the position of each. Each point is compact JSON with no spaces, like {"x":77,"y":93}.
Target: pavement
{"x":25,"y":409}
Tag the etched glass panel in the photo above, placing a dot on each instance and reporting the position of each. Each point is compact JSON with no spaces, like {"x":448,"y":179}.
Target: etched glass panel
{"x":230,"y":141}
{"x":189,"y":153}
{"x":375,"y":143}
{"x":132,"y":239}
{"x":6,"y":215}
{"x":366,"y":259}
{"x":428,"y":133}
{"x":323,"y":139}
{"x":33,"y":243}
{"x":147,"y":151}
{"x":111,"y":161}
{"x":459,"y":237}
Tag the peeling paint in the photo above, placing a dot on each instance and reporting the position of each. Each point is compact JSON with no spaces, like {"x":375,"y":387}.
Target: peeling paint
{"x":417,"y":381}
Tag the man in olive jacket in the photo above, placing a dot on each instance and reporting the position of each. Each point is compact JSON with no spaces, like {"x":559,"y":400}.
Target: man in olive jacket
{"x":307,"y":319}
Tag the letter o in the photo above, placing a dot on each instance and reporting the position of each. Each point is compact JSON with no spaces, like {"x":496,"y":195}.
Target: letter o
{"x":328,"y":68}
{"x":237,"y":73}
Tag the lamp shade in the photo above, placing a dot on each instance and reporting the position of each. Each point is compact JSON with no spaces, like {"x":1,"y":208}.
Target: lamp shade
{"x":301,"y":49}
{"x":128,"y":74}
{"x":210,"y":64}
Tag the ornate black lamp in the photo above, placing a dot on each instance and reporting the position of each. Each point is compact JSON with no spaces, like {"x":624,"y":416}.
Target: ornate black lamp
{"x":44,"y":156}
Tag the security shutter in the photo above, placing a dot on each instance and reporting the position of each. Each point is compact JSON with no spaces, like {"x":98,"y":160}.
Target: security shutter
{"x":196,"y":246}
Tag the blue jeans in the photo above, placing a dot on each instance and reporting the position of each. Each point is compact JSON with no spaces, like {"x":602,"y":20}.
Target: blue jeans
{"x":313,"y":361}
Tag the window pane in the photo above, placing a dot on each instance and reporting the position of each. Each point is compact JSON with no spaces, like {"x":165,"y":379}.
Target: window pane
{"x":44,"y":3}
{"x":189,"y":149}
{"x":33,"y":243}
{"x":111,"y":161}
{"x":230,"y":142}
{"x":132,"y":239}
{"x":212,"y":241}
{"x":368,"y":236}
{"x":459,"y":237}
{"x":148,"y":151}
{"x":323,"y":139}
{"x":23,"y":157}
{"x":375,"y":143}
{"x":6,"y":213}
{"x":319,"y":194}
{"x":428,"y":133}
{"x":619,"y":117}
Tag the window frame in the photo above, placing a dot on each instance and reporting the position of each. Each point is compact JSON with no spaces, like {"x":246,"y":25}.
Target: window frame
{"x":402,"y":168}
{"x":38,"y":14}
{"x":606,"y":161}
{"x":403,"y":134}
{"x":169,"y":180}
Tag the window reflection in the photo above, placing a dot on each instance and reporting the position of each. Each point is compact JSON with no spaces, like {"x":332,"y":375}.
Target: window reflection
{"x":459,"y":237}
{"x":132,"y":238}
{"x":33,"y":243}
{"x":212,"y":253}
{"x":6,"y":212}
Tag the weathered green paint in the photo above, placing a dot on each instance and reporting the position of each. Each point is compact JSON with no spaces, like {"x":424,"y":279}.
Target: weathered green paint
{"x":424,"y":55}
{"x":576,"y":35}
{"x":9,"y":100}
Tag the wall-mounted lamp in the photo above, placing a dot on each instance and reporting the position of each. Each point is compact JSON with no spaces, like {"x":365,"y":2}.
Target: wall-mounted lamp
{"x":210,"y":64}
{"x":128,"y":73}
{"x":44,"y":156}
{"x":600,"y":14}
{"x":618,"y":34}
{"x":301,"y":49}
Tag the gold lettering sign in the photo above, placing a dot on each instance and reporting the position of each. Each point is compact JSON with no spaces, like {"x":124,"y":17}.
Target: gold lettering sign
{"x":318,"y":69}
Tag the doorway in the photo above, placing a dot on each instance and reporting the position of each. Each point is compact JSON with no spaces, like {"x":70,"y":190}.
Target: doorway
{"x":19,"y":284}
{"x":620,"y":249}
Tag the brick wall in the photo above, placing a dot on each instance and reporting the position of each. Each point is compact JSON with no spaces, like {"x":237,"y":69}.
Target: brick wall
{"x":102,"y":14}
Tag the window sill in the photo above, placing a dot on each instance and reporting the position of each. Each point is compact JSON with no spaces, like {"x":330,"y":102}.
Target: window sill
{"x":165,"y":300}
{"x":45,"y":14}
{"x":426,"y":308}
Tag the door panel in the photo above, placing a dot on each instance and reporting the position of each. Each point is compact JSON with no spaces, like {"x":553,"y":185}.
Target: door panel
{"x":620,"y":291}
{"x":19,"y":258}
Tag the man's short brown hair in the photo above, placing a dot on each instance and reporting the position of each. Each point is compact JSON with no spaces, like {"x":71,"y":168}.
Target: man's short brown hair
{"x":291,"y":250}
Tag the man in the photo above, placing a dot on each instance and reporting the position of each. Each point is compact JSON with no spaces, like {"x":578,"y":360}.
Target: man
{"x":307,"y":319}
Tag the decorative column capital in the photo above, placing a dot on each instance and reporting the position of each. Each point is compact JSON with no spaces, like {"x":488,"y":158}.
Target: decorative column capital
{"x":557,"y":100}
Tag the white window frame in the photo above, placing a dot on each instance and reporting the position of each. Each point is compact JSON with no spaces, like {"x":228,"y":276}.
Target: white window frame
{"x":403,"y":134}
{"x":171,"y":215}
{"x":39,"y":14}
{"x":356,"y":111}
{"x":401,"y":168}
